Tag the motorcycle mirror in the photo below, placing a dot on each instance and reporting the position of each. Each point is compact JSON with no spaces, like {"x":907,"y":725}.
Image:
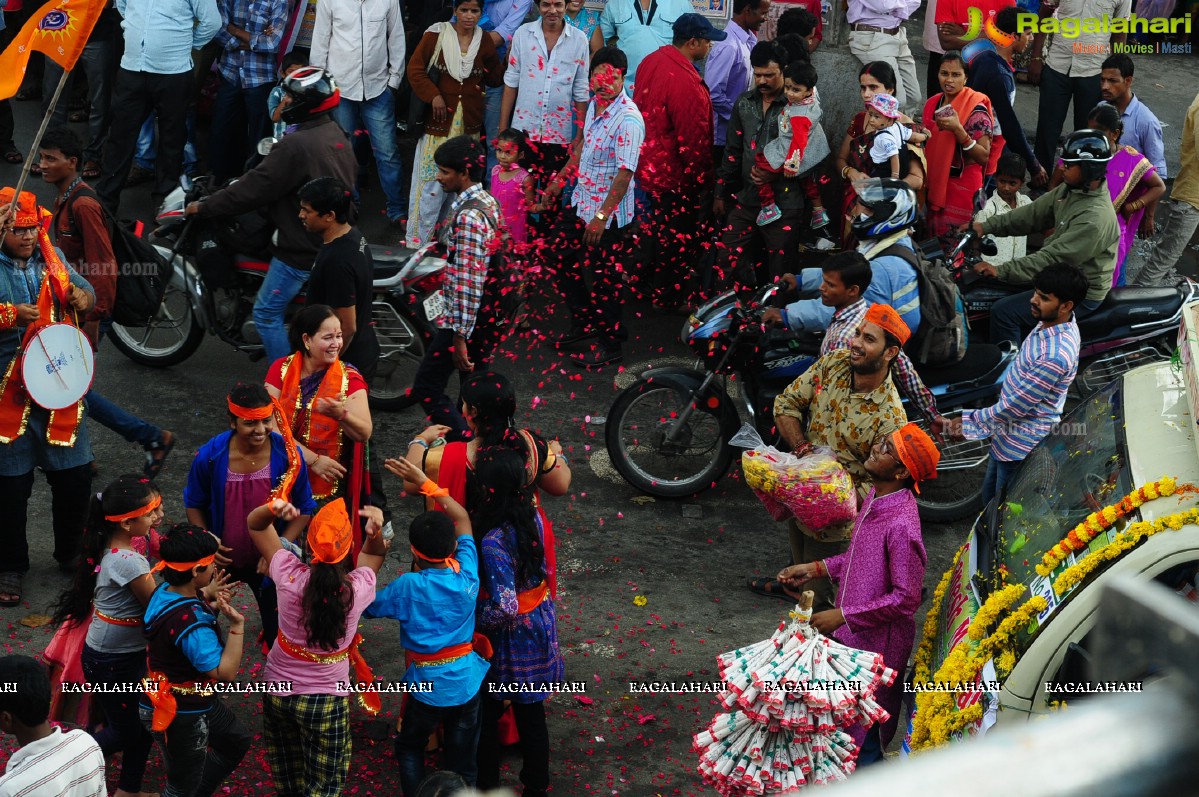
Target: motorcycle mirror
{"x":988,"y":246}
{"x":185,"y":183}
{"x":266,"y":145}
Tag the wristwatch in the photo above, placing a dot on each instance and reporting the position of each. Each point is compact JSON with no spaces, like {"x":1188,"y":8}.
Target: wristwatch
{"x":599,"y":214}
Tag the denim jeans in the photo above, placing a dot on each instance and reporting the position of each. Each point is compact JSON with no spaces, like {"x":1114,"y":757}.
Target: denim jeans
{"x":1011,"y":316}
{"x":147,"y":145}
{"x":433,"y":378}
{"x":239,"y":120}
{"x":378,"y":116}
{"x":193,"y":769}
{"x":999,"y":474}
{"x":128,"y":426}
{"x":461,"y":741}
{"x":98,"y":62}
{"x":123,"y":731}
{"x":534,"y":746}
{"x":871,"y":751}
{"x":281,"y":285}
{"x":491,"y":124}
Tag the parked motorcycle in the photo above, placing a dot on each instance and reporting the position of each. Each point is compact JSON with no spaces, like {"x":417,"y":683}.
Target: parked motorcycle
{"x":1132,"y":327}
{"x":668,"y":433}
{"x":217,"y":267}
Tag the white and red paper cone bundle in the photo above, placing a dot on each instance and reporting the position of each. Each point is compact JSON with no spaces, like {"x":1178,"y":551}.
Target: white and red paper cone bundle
{"x":787,"y":699}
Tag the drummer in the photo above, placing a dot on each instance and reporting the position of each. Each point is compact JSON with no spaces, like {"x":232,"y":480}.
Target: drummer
{"x":37,"y":288}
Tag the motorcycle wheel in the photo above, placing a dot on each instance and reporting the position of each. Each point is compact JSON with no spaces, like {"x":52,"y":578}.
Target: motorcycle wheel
{"x":957,"y":491}
{"x":635,"y":436}
{"x":173,"y":335}
{"x":401,"y":348}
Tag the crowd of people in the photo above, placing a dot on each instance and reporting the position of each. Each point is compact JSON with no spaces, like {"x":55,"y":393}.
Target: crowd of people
{"x":640,"y":149}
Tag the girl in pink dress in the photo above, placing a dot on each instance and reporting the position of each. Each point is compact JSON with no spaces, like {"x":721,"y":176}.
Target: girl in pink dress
{"x":512,"y":186}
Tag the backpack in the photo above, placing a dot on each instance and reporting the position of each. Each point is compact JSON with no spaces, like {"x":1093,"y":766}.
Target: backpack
{"x":142,"y":273}
{"x":941,"y":338}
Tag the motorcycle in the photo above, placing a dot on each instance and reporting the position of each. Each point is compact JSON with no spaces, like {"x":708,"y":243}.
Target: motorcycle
{"x":217,"y":267}
{"x":1132,"y":327}
{"x":668,"y":433}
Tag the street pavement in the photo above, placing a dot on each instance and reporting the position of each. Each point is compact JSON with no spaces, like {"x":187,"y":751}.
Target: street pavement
{"x":650,"y":590}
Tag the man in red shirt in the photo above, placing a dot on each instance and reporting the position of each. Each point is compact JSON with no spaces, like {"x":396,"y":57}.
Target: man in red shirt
{"x":676,"y":160}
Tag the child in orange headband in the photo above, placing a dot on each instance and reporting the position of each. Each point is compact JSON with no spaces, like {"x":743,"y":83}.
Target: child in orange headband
{"x":436,"y":609}
{"x":109,"y":649}
{"x":185,"y":655}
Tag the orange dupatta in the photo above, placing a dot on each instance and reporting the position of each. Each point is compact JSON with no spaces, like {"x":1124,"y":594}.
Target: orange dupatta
{"x":322,"y":433}
{"x":14,"y":400}
{"x":942,"y":145}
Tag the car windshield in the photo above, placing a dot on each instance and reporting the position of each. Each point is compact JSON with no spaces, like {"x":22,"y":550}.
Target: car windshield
{"x":1078,"y":469}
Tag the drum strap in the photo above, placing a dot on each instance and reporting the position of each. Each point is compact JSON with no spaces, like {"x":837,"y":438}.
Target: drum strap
{"x":14,"y":399}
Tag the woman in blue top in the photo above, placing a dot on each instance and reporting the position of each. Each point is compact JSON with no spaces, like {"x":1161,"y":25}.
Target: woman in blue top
{"x":586,"y":20}
{"x":233,"y":474}
{"x":516,"y":613}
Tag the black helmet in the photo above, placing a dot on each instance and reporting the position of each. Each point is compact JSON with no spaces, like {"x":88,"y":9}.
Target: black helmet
{"x":1089,"y":149}
{"x":313,"y":92}
{"x":892,"y":203}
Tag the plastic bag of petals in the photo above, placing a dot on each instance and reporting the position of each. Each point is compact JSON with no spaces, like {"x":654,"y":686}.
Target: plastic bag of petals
{"x":814,"y":489}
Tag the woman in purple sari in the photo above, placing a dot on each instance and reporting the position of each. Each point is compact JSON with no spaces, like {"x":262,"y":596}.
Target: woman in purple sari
{"x":1133,"y":183}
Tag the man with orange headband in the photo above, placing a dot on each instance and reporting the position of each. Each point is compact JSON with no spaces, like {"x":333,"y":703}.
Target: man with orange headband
{"x":845,"y":402}
{"x":436,"y":609}
{"x":881,"y":574}
{"x":36,"y":288}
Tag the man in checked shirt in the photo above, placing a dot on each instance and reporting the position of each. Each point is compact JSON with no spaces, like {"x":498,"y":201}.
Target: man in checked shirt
{"x":846,"y":276}
{"x":471,"y":324}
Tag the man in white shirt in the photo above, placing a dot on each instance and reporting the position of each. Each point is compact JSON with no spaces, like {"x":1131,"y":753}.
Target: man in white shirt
{"x":876,"y":34}
{"x":362,"y":45}
{"x":50,"y":762}
{"x":545,"y":87}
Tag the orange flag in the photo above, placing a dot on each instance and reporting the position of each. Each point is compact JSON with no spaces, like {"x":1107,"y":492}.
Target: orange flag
{"x":59,"y":29}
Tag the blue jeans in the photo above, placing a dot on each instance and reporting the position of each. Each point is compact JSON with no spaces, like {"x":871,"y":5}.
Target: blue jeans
{"x":123,"y":731}
{"x":239,"y":120}
{"x":999,"y":474}
{"x":1011,"y":316}
{"x":281,"y":285}
{"x":378,"y":116}
{"x":199,"y":749}
{"x":461,"y":727}
{"x":871,"y":751}
{"x":147,"y":145}
{"x":491,"y":124}
{"x":128,"y":426}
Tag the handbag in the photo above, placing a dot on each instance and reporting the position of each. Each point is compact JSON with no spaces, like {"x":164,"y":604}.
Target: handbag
{"x":418,"y":109}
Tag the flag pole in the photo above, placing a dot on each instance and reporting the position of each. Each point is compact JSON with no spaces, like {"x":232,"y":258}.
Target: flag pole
{"x":37,"y":141}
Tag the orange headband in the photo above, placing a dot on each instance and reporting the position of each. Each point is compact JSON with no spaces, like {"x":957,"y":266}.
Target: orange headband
{"x":917,"y":452}
{"x":451,"y":561}
{"x":155,"y":502}
{"x":183,"y":566}
{"x":250,"y":413}
{"x":885,"y":316}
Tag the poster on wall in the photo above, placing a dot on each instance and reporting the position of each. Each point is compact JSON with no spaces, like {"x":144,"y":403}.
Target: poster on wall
{"x":712,"y":9}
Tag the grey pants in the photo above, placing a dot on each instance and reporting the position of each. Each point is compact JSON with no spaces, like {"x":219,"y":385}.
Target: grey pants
{"x":1166,"y":248}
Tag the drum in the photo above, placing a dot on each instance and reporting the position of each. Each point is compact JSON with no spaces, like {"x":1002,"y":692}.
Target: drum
{"x":58,"y":366}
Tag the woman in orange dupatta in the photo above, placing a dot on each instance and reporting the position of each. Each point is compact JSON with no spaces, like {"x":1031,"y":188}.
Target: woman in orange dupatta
{"x":325,"y":402}
{"x":962,"y":125}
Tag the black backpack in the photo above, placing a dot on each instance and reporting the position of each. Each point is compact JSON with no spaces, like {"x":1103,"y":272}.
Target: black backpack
{"x":942,"y":337}
{"x":142,"y":273}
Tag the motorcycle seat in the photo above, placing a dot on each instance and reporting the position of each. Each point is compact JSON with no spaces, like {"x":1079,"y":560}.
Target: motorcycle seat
{"x":980,"y":360}
{"x":1126,"y":306}
{"x":389,"y":260}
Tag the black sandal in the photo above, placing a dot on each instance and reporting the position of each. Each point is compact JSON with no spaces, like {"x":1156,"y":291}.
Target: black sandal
{"x":11,"y":583}
{"x":14,"y":156}
{"x":767,"y":587}
{"x":156,"y":454}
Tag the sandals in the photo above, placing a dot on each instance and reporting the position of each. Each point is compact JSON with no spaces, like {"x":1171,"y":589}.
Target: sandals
{"x":156,"y":454}
{"x":11,"y":583}
{"x":91,"y":170}
{"x":768,"y":587}
{"x":14,"y":156}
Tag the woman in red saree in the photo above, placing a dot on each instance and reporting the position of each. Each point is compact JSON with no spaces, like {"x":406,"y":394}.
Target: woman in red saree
{"x":963,"y":124}
{"x":853,"y":158}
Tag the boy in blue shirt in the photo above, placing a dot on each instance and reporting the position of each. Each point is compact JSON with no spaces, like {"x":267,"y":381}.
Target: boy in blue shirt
{"x":202,"y":741}
{"x":435,"y":605}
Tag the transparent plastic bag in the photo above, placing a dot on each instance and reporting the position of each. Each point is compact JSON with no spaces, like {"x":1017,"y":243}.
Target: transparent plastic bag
{"x":815,"y":489}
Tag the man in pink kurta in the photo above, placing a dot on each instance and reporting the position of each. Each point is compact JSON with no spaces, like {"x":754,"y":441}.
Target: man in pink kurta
{"x":881,"y":574}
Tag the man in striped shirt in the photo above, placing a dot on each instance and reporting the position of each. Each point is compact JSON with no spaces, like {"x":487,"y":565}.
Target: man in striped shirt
{"x":1034,"y":391}
{"x":50,"y":761}
{"x":845,"y":278}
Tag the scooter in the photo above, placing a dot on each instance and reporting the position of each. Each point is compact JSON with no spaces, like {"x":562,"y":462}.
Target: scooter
{"x":668,"y":433}
{"x":217,"y":267}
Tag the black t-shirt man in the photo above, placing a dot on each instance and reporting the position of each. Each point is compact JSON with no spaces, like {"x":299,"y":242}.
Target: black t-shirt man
{"x":341,"y":278}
